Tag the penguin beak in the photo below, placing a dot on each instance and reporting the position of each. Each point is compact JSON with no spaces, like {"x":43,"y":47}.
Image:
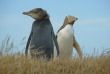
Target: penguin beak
{"x":25,"y":13}
{"x":76,"y":18}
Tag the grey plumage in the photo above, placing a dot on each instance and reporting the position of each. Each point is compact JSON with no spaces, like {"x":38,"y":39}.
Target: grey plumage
{"x":42,"y":37}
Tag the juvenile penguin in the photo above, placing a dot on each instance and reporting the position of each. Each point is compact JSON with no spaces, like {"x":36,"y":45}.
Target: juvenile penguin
{"x":42,"y":38}
{"x":66,"y":39}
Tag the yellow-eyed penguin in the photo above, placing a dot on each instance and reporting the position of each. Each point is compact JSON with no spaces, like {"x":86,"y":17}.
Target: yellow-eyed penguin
{"x":66,"y":39}
{"x":42,"y":37}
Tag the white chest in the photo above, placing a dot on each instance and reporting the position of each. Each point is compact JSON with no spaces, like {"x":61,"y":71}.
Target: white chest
{"x":65,"y":41}
{"x":67,"y":31}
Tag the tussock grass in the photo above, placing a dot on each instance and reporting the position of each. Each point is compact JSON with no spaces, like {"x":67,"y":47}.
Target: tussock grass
{"x":17,"y":63}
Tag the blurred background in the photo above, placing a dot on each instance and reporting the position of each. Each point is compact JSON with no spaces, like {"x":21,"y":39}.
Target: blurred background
{"x":92,"y":30}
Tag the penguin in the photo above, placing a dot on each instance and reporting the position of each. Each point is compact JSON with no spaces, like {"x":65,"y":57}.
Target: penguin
{"x":42,"y":38}
{"x":66,"y":39}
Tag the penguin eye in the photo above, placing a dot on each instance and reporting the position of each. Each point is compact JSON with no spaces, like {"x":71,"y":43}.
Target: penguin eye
{"x":68,"y":17}
{"x":33,"y":11}
{"x":36,"y":12}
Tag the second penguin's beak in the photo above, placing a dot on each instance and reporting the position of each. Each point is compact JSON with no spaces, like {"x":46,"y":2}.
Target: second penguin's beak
{"x":25,"y":13}
{"x":76,"y":18}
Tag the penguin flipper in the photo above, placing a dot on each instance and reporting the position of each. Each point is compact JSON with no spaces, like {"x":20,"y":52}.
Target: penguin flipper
{"x":55,"y":43}
{"x":28,"y":42}
{"x":78,"y":49}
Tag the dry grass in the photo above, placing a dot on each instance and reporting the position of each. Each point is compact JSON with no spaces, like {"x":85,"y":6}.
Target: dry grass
{"x":17,"y":63}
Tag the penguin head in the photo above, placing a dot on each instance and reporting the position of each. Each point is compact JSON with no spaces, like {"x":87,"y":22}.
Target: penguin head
{"x":71,"y":19}
{"x":37,"y":14}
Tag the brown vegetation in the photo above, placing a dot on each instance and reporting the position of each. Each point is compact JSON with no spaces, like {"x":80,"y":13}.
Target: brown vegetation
{"x":17,"y":63}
